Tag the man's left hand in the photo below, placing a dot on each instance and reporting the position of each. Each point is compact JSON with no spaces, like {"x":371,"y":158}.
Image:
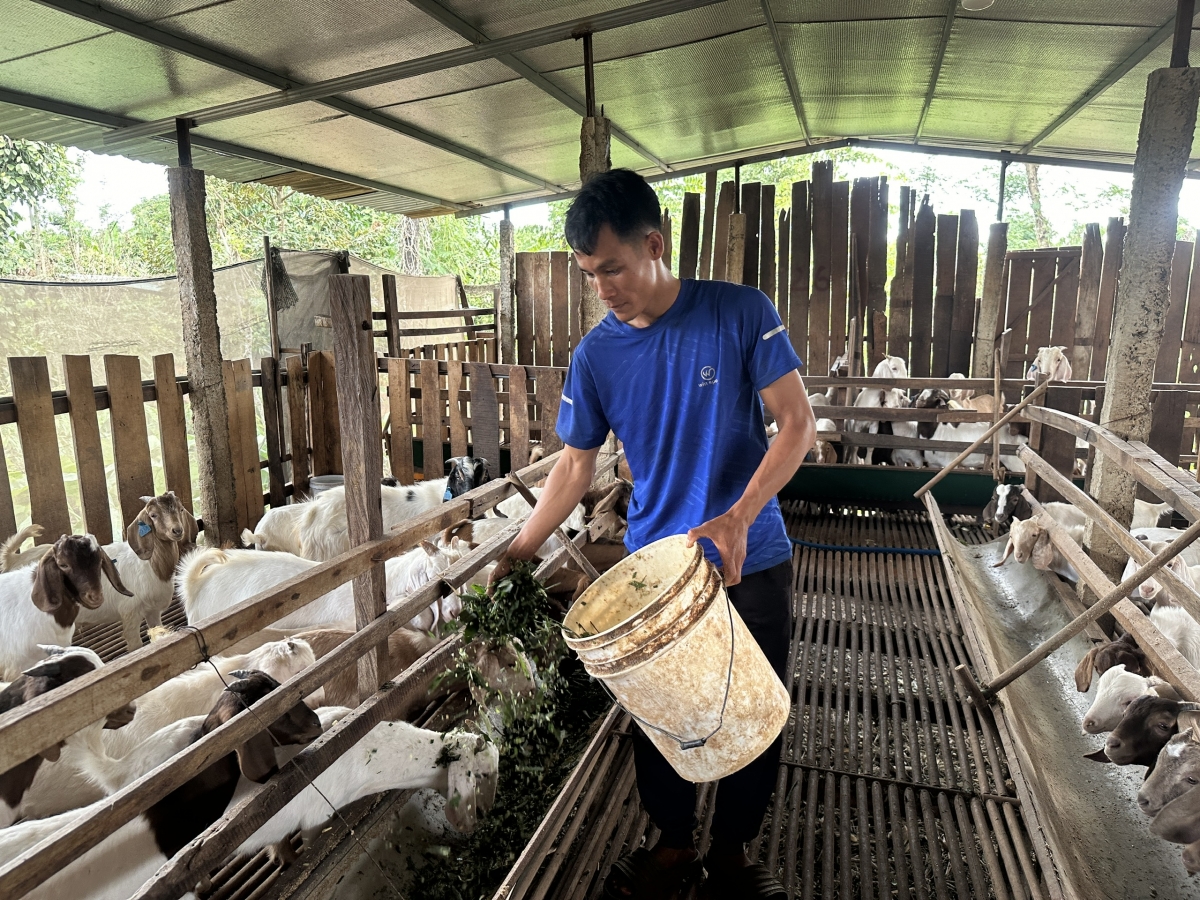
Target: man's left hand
{"x":728,"y":533}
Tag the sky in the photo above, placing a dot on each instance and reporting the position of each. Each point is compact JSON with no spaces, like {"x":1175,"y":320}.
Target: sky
{"x":113,"y":185}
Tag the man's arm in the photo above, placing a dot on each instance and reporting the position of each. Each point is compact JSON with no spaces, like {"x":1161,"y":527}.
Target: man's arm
{"x":568,"y":481}
{"x":788,"y":403}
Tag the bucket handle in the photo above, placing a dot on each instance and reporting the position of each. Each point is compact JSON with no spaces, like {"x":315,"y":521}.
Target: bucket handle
{"x":692,"y":743}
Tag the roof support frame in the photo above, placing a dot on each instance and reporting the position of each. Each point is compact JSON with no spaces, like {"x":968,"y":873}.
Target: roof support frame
{"x":109,"y":120}
{"x":947,"y":31}
{"x":1001,"y":156}
{"x":424,"y":65}
{"x":437,"y":10}
{"x":789,"y":72}
{"x":1105,"y":81}
{"x":91,"y":12}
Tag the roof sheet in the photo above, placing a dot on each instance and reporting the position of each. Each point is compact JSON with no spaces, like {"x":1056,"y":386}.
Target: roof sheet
{"x":702,"y":85}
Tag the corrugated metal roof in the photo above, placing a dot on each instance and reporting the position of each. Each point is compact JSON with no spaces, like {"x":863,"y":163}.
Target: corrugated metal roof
{"x":700,"y":85}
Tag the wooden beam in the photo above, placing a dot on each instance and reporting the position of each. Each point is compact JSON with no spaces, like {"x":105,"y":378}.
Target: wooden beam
{"x":362,"y":451}
{"x":202,"y":350}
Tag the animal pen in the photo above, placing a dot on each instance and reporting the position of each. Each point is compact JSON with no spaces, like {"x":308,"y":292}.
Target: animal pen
{"x":931,"y":749}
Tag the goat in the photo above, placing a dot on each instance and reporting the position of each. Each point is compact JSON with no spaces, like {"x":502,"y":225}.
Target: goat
{"x":930,"y":398}
{"x":1151,"y":515}
{"x":875,"y":398}
{"x":1156,"y":539}
{"x":322,"y":531}
{"x":1029,"y":541}
{"x":1051,"y":362}
{"x":1179,"y":820}
{"x":154,"y":542}
{"x":515,"y":506}
{"x":1143,"y":731}
{"x":1180,"y":629}
{"x":40,"y":606}
{"x":125,"y":859}
{"x":1116,"y":689}
{"x":211,"y":581}
{"x":195,"y":691}
{"x":30,"y":789}
{"x":11,"y":555}
{"x":1007,"y":503}
{"x":1122,"y":652}
{"x":462,"y":766}
{"x":278,"y":529}
{"x":1151,"y":589}
{"x":1178,"y":768}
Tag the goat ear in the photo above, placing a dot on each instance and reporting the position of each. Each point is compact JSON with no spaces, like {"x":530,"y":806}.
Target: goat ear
{"x":256,"y":757}
{"x":49,"y":585}
{"x":608,"y":502}
{"x":140,"y":536}
{"x":110,"y":570}
{"x":50,"y":754}
{"x":1099,"y":756}
{"x":1083,"y":671}
{"x":429,"y":548}
{"x":1043,"y":552}
{"x":1008,"y":549}
{"x":191,"y":527}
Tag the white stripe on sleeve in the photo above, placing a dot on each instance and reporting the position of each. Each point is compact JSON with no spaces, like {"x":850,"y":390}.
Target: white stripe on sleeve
{"x":773,"y":332}
{"x":568,"y":399}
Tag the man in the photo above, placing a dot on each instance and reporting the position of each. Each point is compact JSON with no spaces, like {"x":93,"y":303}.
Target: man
{"x":676,"y":370}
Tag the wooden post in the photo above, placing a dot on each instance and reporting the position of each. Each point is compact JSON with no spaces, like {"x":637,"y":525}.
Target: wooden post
{"x":504,"y":315}
{"x":1090,"y":262}
{"x":720,"y":252}
{"x":966,"y":276}
{"x":766,"y":242}
{"x":362,"y":451}
{"x":202,"y":350}
{"x":1164,"y":146}
{"x":751,"y":206}
{"x":391,"y":325}
{"x":706,"y":238}
{"x":735,"y":253}
{"x":272,"y":311}
{"x":991,"y":309}
{"x":689,"y":236}
{"x":594,"y":158}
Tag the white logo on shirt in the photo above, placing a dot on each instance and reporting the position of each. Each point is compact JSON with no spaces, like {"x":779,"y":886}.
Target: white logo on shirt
{"x":709,"y":376}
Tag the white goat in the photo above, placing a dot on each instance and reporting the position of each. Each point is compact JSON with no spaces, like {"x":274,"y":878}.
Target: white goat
{"x":1151,"y":588}
{"x":278,"y":529}
{"x":967,"y":433}
{"x":1029,"y":541}
{"x":38,"y":606}
{"x":211,"y":581}
{"x":1115,"y":690}
{"x":12,"y":557}
{"x":1051,"y":362}
{"x":392,"y":756}
{"x":515,"y":506}
{"x":146,"y":559}
{"x":1148,"y":515}
{"x":1156,"y":539}
{"x":194,"y":692}
{"x":1180,"y":629}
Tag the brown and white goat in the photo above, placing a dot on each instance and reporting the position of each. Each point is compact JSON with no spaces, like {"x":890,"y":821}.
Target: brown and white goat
{"x":155,"y":540}
{"x":40,"y":605}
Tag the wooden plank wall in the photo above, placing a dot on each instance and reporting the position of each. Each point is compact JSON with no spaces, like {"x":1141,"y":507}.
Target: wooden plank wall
{"x":548,"y":294}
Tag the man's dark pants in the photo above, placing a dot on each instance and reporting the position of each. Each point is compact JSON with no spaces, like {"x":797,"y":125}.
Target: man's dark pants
{"x":764,"y":601}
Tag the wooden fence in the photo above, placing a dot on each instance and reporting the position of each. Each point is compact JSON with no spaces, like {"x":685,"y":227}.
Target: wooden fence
{"x":498,"y":412}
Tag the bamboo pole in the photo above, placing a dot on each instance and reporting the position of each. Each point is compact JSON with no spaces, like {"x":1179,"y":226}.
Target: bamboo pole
{"x":979,"y":442}
{"x":1096,"y":610}
{"x":577,"y":557}
{"x":997,"y":407}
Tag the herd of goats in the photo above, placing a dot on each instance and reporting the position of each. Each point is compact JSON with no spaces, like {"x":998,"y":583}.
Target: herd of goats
{"x":47,"y":591}
{"x":1050,"y":361}
{"x":1147,"y":722}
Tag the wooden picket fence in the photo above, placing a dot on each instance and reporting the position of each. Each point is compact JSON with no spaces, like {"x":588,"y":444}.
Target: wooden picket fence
{"x":498,"y":412}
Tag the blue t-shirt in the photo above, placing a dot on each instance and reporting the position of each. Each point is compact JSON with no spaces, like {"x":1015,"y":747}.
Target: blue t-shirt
{"x":682,"y":395}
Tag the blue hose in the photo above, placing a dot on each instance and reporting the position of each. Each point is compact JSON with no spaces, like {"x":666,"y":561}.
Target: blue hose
{"x":897,"y":551}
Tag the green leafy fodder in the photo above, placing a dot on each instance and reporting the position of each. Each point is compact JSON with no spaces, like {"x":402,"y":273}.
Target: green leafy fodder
{"x":542,"y":735}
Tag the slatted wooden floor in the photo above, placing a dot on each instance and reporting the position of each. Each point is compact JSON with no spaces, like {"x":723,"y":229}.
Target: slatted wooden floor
{"x":891,"y":785}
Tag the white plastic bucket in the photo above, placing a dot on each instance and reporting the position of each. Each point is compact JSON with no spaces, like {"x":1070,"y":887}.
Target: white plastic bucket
{"x":660,"y":632}
{"x":322,"y":483}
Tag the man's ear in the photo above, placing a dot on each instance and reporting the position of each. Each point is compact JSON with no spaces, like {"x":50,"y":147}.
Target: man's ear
{"x":655,"y":244}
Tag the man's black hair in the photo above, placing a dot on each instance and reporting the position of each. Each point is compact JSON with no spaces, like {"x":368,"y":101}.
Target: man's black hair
{"x":620,"y":199}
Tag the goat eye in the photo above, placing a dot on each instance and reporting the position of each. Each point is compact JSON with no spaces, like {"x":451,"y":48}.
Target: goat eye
{"x":1164,"y":726}
{"x":1191,"y":780}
